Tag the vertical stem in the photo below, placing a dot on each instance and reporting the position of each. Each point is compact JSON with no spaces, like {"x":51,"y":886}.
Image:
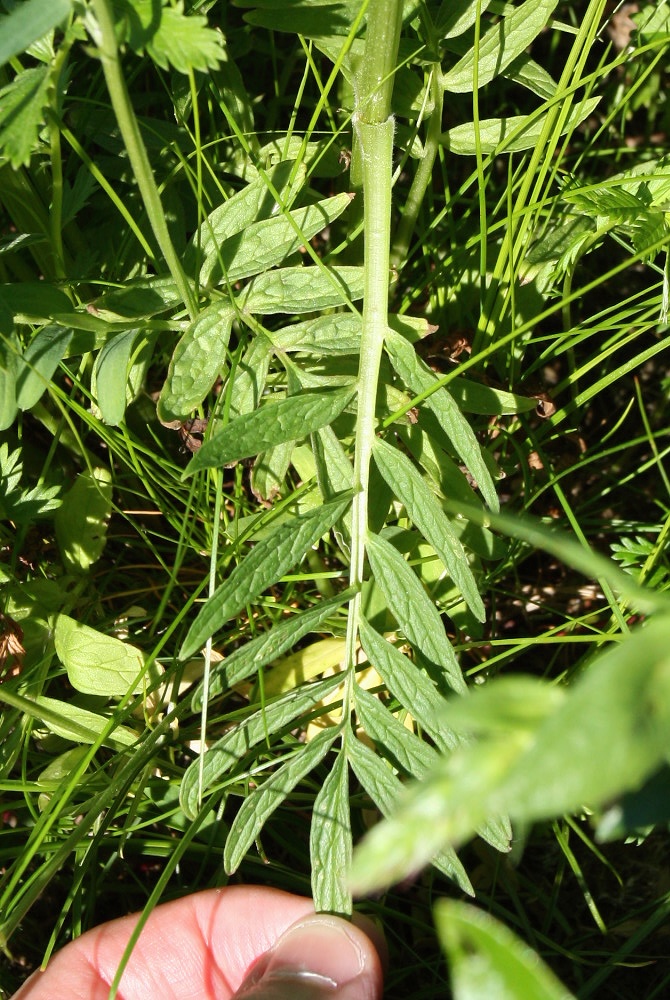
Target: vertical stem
{"x":108,"y":50}
{"x":374,"y":126}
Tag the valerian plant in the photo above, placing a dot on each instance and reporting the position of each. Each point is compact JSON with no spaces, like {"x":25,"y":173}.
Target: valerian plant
{"x":292,"y":343}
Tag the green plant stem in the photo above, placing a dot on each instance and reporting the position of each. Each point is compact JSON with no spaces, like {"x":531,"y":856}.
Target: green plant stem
{"x":374,"y":126}
{"x":108,"y":50}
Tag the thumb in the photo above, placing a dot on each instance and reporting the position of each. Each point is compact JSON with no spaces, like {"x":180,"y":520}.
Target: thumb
{"x":321,"y":956}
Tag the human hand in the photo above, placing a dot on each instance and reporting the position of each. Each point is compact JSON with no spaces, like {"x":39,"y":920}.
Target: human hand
{"x":243,"y":942}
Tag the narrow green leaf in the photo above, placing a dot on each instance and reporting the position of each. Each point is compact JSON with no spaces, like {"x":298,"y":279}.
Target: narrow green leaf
{"x":524,"y":131}
{"x":395,"y":741}
{"x":233,"y":748}
{"x":22,"y":104}
{"x":198,"y":359}
{"x":269,"y":242}
{"x":9,"y":354}
{"x":302,"y":289}
{"x":249,"y":377}
{"x":475,"y":397}
{"x":269,"y":472}
{"x":261,"y":803}
{"x":501,"y":44}
{"x":425,"y":511}
{"x":68,"y":720}
{"x":78,"y":724}
{"x":330,"y":842}
{"x":253,"y":202}
{"x":420,"y":378}
{"x":274,"y":423}
{"x":40,"y":360}
{"x":411,"y":686}
{"x":96,"y":663}
{"x":264,"y":565}
{"x":456,"y":16}
{"x":385,"y":790}
{"x":487,"y":960}
{"x":81,"y":521}
{"x":111,"y":375}
{"x":413,"y":609}
{"x":27,"y":23}
{"x":254,"y":655}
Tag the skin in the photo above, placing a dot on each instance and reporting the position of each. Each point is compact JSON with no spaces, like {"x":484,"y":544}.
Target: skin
{"x":211,"y":945}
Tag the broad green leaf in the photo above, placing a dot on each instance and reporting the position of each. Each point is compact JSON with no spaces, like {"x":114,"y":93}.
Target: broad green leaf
{"x":325,"y":336}
{"x":425,"y":511}
{"x":196,"y":362}
{"x":253,"y":202}
{"x":170,"y":37}
{"x":27,"y":23}
{"x":456,"y":16}
{"x":96,"y":663}
{"x":412,"y":608}
{"x":254,"y":655}
{"x":57,"y":772}
{"x":40,"y":360}
{"x":420,"y":378}
{"x":330,"y":843}
{"x":35,"y":299}
{"x":509,"y":135}
{"x":385,"y":790}
{"x":111,"y":375}
{"x":138,"y":299}
{"x":411,"y":686}
{"x":22,"y":104}
{"x":264,"y":565}
{"x":81,"y":521}
{"x":78,"y":724}
{"x":267,"y":243}
{"x":9,"y":354}
{"x":529,"y":74}
{"x":501,"y":44}
{"x":262,"y":802}
{"x":289,"y":419}
{"x":316,"y":20}
{"x":487,"y":960}
{"x":228,"y":752}
{"x":302,"y":289}
{"x":475,"y":397}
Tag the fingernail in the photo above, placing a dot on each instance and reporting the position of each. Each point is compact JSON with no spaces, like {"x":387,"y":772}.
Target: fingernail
{"x":313,"y":958}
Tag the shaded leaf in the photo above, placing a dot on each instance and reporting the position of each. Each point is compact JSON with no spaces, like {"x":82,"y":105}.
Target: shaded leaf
{"x":289,"y":419}
{"x":261,"y":803}
{"x":111,"y":375}
{"x":22,"y":103}
{"x":40,"y":360}
{"x":170,"y":37}
{"x":264,"y":565}
{"x":9,"y":354}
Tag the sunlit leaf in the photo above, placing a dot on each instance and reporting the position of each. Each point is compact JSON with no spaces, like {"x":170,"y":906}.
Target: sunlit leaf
{"x":330,"y":843}
{"x":81,"y":523}
{"x":261,"y":803}
{"x":302,"y":289}
{"x":97,"y":663}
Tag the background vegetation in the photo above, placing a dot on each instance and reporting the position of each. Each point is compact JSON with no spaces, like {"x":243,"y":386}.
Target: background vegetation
{"x":311,"y":419}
